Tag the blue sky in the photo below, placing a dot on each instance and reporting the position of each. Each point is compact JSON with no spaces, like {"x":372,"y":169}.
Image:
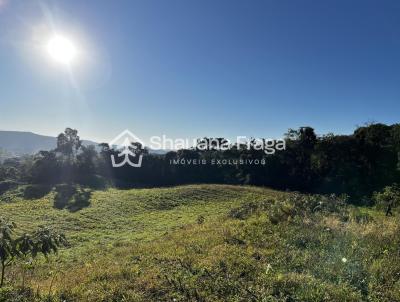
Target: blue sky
{"x":201,"y":68}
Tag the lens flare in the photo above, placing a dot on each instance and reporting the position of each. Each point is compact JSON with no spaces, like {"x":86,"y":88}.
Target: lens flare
{"x":61,"y":50}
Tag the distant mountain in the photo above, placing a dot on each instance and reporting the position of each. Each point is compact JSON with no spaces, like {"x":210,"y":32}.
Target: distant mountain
{"x":17,"y":143}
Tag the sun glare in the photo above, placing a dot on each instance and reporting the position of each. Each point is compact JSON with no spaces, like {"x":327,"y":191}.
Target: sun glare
{"x":61,"y":50}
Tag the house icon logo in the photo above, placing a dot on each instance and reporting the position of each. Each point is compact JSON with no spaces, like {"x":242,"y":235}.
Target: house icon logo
{"x":129,"y":150}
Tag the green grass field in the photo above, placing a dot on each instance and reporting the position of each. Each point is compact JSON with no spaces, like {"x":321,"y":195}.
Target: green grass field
{"x":209,"y":243}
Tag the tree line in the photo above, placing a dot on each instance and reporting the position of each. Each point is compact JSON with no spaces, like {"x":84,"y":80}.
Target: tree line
{"x":357,"y":164}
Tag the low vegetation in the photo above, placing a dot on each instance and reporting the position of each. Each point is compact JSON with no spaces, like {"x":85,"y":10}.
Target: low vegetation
{"x":207,"y":243}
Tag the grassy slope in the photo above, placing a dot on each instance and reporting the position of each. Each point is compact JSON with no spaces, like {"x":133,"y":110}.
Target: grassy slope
{"x":124,"y":215}
{"x":117,"y":218}
{"x":145,"y":245}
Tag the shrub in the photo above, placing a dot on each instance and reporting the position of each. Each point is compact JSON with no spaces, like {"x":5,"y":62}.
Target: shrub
{"x":248,"y":209}
{"x":9,"y":294}
{"x":36,"y":191}
{"x":389,"y":196}
{"x":44,"y":241}
{"x":200,"y":219}
{"x":360,"y":217}
{"x":7,"y":185}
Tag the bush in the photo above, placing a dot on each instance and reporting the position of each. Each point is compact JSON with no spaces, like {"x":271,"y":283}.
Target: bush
{"x":7,"y":185}
{"x":9,"y":294}
{"x":200,"y":219}
{"x":360,"y":217}
{"x":389,"y":196}
{"x":248,"y":209}
{"x":36,"y":191}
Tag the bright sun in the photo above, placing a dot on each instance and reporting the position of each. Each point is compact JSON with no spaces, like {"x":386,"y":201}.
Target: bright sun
{"x":61,"y":49}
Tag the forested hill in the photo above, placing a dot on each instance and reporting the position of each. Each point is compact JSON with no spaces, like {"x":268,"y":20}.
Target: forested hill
{"x":16,"y":143}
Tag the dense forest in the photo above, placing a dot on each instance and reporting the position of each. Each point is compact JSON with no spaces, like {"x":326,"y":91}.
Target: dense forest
{"x":356,"y":164}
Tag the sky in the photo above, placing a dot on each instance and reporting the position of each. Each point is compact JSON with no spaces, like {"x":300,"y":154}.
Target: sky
{"x":187,"y":69}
